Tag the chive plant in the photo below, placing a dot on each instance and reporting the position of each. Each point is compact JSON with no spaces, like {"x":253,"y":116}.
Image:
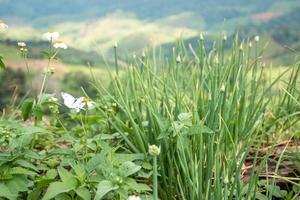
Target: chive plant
{"x":207,"y":110}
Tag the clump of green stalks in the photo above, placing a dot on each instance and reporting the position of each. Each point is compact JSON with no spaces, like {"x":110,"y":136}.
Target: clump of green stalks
{"x":206,"y":110}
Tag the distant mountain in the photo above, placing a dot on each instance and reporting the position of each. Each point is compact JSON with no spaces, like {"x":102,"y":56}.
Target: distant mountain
{"x":45,"y":13}
{"x":97,"y":24}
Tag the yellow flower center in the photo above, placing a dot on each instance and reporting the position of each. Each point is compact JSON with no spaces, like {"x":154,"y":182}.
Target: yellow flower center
{"x":86,"y":100}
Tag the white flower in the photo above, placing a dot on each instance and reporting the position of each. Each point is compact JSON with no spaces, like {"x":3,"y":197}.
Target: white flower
{"x":21,"y":44}
{"x":133,"y":197}
{"x":256,"y":38}
{"x":154,"y":150}
{"x":224,"y":37}
{"x":60,"y":44}
{"x":76,"y":103}
{"x":51,"y":36}
{"x":3,"y":26}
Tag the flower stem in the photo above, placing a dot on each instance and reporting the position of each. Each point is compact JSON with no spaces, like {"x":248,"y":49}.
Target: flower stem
{"x":155,"y":186}
{"x":116,"y":61}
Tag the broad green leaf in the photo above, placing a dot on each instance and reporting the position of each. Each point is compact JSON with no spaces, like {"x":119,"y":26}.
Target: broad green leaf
{"x":276,"y":191}
{"x":26,"y":164}
{"x":103,"y":188}
{"x":65,"y":175}
{"x":6,"y":193}
{"x":93,"y":163}
{"x":84,"y":193}
{"x":139,"y":187}
{"x":128,"y":168}
{"x":63,"y":197}
{"x":57,"y":188}
{"x":21,"y":141}
{"x":51,"y":174}
{"x":33,"y":129}
{"x":34,"y":194}
{"x":21,"y":170}
{"x":18,"y":184}
{"x":27,"y":108}
{"x":260,"y":196}
{"x":122,"y":157}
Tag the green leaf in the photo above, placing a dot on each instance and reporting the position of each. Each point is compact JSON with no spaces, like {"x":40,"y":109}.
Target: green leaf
{"x":33,"y":129}
{"x":26,"y":164}
{"x":34,"y":194}
{"x":260,"y":196}
{"x":21,"y":141}
{"x":46,"y":54}
{"x":275,"y":191}
{"x":20,"y":170}
{"x":198,"y":129}
{"x":93,"y":163}
{"x":57,"y":188}
{"x":6,"y":193}
{"x":128,"y":168}
{"x":51,"y":174}
{"x":103,"y":188}
{"x":65,"y":175}
{"x":18,"y":184}
{"x":138,"y":187}
{"x":38,"y":112}
{"x":84,"y":193}
{"x":27,"y":108}
{"x":63,"y":197}
{"x":123,"y":157}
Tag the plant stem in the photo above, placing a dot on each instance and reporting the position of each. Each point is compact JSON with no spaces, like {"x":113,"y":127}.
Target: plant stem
{"x":116,"y":61}
{"x":155,"y":186}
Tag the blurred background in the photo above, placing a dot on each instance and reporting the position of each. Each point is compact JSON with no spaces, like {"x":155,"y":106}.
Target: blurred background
{"x":91,"y":28}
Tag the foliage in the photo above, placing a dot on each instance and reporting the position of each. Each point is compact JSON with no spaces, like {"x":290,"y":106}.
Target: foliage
{"x":207,"y":113}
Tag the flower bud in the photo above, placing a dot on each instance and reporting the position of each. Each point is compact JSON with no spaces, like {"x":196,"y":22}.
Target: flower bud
{"x":178,"y":59}
{"x":250,"y":44}
{"x":201,"y":37}
{"x":222,"y":89}
{"x":154,"y":150}
{"x":116,"y":44}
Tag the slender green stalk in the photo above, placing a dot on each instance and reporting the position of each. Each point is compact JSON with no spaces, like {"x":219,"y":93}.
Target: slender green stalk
{"x":116,"y":60}
{"x":155,"y":183}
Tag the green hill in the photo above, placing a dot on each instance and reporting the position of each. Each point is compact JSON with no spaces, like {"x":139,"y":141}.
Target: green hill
{"x":96,"y":25}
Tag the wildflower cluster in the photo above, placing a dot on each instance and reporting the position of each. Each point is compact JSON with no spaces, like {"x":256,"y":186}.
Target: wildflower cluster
{"x":53,"y":38}
{"x":53,"y":107}
{"x":22,"y":47}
